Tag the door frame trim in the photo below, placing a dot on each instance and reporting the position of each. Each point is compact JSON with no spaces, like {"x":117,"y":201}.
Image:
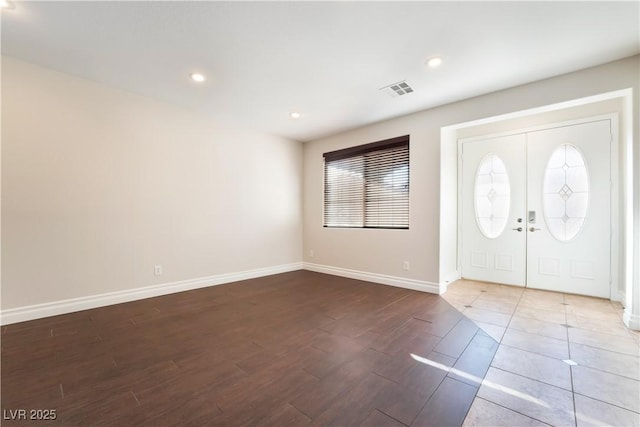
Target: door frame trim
{"x":614,"y":202}
{"x":629,"y":290}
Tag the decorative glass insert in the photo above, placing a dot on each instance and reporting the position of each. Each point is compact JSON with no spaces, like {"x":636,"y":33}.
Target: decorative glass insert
{"x":565,"y":192}
{"x":492,"y":196}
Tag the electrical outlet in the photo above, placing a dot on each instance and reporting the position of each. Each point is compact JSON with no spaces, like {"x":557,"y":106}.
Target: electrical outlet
{"x":157,"y":270}
{"x":311,"y":253}
{"x":405,"y":266}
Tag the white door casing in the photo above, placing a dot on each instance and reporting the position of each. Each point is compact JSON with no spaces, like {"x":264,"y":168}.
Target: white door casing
{"x":560,"y":185}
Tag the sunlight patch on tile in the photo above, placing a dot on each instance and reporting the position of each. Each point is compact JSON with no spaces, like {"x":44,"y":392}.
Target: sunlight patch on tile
{"x":483,"y":382}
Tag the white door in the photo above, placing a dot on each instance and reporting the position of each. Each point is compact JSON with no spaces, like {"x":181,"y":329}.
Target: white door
{"x":536,"y":209}
{"x":493,"y":209}
{"x":569,"y":189}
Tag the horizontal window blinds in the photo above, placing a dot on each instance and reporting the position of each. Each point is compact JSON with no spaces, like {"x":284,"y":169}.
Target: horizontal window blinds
{"x":368,"y":185}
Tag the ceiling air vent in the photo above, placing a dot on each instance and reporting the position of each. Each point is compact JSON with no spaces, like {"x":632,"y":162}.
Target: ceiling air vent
{"x":397,"y":89}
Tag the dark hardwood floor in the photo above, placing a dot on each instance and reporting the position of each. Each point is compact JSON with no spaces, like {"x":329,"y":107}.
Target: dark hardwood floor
{"x":285,"y":350}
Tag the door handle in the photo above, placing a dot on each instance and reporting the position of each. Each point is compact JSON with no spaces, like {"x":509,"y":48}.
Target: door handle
{"x":532,"y":229}
{"x":519,"y":229}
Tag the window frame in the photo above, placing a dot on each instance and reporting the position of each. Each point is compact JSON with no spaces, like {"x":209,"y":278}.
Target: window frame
{"x":361,"y":150}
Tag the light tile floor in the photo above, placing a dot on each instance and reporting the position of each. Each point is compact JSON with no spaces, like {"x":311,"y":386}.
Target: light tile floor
{"x":563,"y":360}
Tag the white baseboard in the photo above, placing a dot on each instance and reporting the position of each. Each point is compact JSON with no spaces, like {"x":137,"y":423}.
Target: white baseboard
{"x":400,"y":282}
{"x":449,"y":279}
{"x":38,"y":311}
{"x":631,"y":320}
{"x":444,"y":286}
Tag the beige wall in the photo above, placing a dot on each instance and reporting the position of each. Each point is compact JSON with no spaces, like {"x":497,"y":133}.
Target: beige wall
{"x":382,"y":252}
{"x":100,"y":185}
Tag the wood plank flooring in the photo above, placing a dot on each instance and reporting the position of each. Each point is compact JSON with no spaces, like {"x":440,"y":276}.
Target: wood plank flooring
{"x":292,"y":349}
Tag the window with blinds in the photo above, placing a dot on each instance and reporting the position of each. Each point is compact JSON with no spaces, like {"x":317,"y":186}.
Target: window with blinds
{"x":368,"y":186}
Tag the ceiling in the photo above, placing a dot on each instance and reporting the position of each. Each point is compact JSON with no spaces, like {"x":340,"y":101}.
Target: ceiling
{"x":325,"y":60}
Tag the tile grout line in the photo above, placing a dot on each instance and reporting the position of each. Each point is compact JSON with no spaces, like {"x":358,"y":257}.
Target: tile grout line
{"x":430,"y":397}
{"x":512,"y":315}
{"x":608,"y":373}
{"x":573,"y":393}
{"x":390,"y":416}
{"x":494,"y":354}
{"x":514,"y":373}
{"x":568,"y":341}
{"x":532,"y":379}
{"x":513,"y":410}
{"x":608,"y":403}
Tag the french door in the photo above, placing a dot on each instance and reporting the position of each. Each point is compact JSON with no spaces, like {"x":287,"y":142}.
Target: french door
{"x":536,"y":209}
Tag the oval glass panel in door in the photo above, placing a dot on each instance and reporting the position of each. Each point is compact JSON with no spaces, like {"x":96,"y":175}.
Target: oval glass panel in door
{"x":565,"y":192}
{"x":492,"y":196}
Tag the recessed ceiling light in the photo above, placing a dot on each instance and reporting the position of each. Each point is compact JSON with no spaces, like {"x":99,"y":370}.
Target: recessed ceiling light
{"x":6,"y":4}
{"x":434,"y":62}
{"x":294,"y":115}
{"x":197,"y":77}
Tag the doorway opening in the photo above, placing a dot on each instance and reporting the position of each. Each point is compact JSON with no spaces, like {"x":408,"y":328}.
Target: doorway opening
{"x":622,"y":287}
{"x":536,"y":207}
